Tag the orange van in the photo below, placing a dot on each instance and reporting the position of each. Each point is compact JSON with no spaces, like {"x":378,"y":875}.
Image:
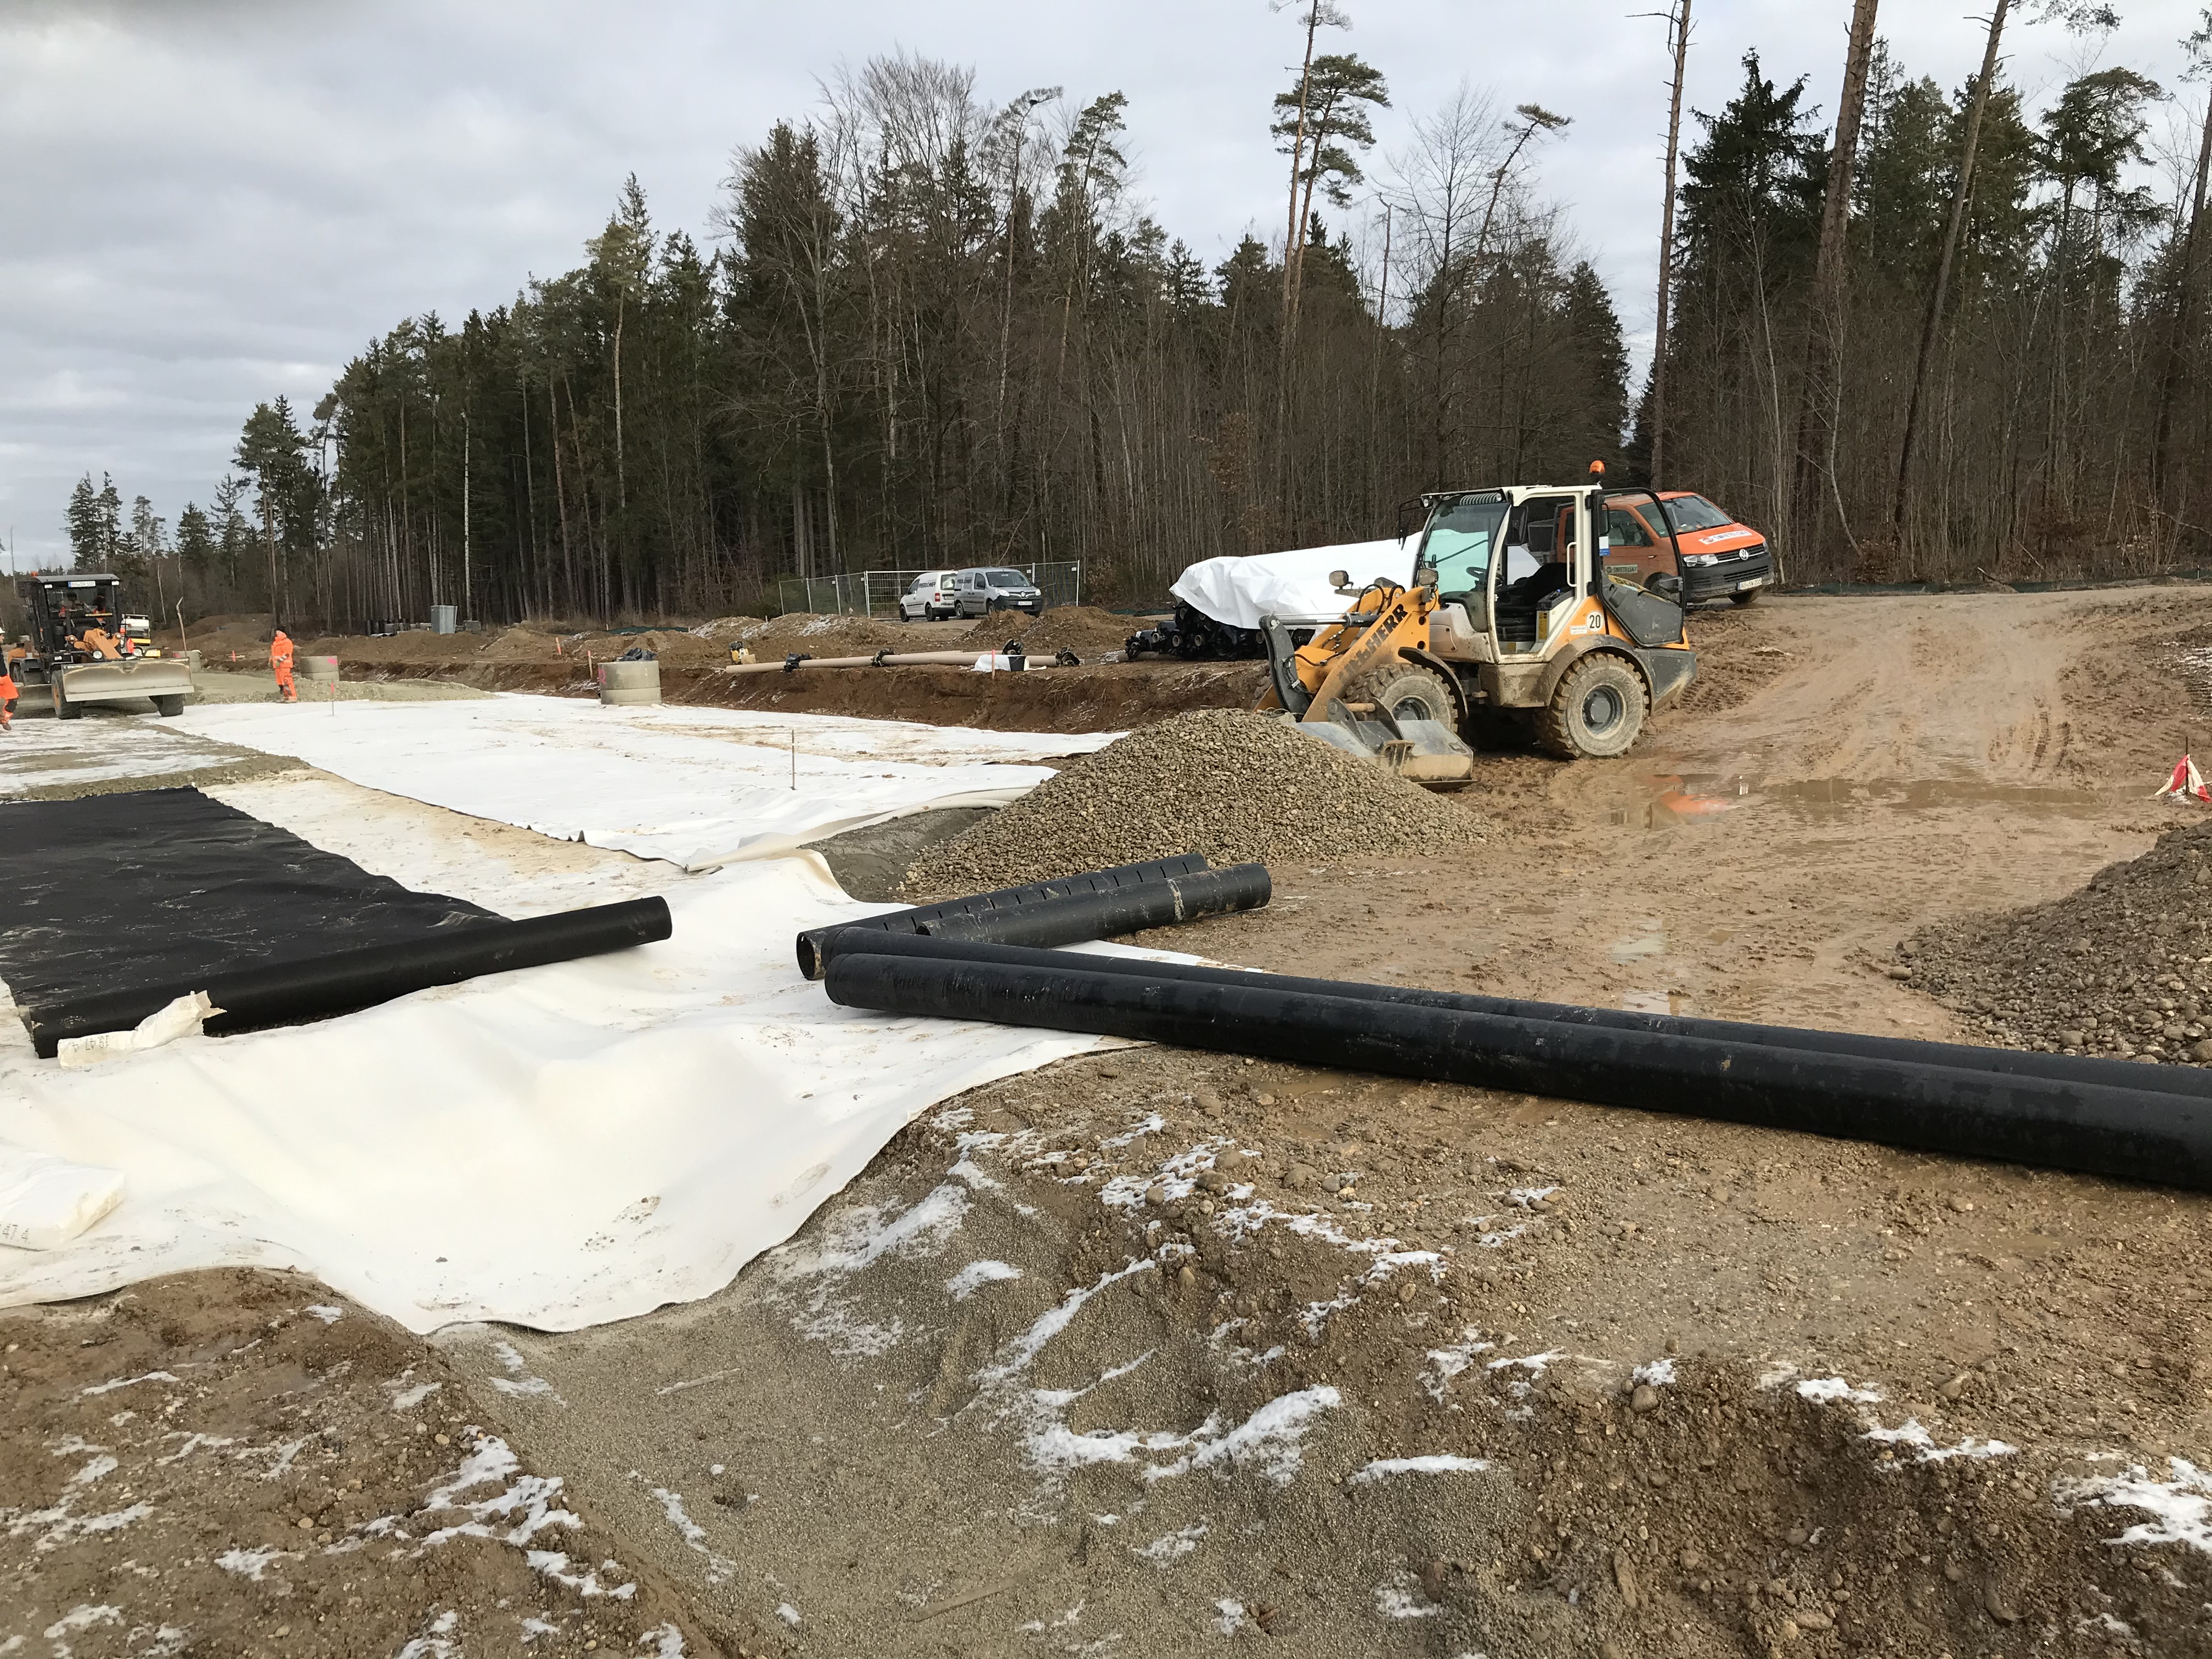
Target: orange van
{"x":1679,"y":532}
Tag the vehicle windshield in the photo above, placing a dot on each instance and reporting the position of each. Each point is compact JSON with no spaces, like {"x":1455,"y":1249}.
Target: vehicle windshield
{"x":1458,"y":541}
{"x":1005,"y":578}
{"x":1695,"y":513}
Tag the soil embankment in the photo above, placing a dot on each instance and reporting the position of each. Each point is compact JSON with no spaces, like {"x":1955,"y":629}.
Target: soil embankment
{"x":1153,"y":1351}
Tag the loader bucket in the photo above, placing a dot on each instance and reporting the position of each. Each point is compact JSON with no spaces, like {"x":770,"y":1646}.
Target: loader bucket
{"x":1426,"y":752}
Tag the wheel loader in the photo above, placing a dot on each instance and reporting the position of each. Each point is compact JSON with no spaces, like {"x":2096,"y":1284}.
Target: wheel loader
{"x":1509,"y":619}
{"x":81,"y":650}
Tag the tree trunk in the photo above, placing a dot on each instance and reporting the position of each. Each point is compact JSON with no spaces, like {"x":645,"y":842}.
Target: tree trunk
{"x":1824,"y":342}
{"x":1932,"y":325}
{"x":2181,"y":342}
{"x":1679,"y":18}
{"x":1297,"y":158}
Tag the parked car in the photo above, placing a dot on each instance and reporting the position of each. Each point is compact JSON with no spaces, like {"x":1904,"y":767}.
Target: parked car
{"x":1716,"y":557}
{"x":929,"y":598}
{"x":989,"y":588}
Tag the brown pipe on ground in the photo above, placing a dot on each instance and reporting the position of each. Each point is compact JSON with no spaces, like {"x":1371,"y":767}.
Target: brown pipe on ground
{"x":889,"y":659}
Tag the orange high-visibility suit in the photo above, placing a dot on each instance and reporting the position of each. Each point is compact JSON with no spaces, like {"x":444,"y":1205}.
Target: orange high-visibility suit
{"x":280,"y":659}
{"x":8,"y":695}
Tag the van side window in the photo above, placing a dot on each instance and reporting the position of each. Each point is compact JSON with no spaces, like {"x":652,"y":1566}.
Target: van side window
{"x":1624,"y":529}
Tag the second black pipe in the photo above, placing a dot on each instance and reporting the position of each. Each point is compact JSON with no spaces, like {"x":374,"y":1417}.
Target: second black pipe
{"x":2093,"y":1128}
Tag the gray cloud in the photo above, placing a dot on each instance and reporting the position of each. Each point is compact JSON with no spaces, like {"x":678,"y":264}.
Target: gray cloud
{"x":213,"y":202}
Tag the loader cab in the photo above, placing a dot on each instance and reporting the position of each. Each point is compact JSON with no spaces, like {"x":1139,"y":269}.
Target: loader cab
{"x":1512,"y":565}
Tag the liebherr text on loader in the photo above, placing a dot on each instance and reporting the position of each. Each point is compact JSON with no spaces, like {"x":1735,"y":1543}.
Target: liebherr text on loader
{"x":1509,"y":619}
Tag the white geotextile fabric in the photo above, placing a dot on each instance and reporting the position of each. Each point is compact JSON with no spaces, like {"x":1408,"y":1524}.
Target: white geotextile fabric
{"x":1241,"y":590}
{"x":698,"y":787}
{"x":555,"y":1148}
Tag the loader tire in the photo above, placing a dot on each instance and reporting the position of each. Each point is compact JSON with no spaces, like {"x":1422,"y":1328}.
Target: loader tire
{"x":1407,"y":693}
{"x":169,"y":707}
{"x":63,"y":708}
{"x":1597,"y":711}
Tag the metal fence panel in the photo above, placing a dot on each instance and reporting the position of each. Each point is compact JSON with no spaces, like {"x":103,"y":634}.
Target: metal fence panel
{"x":876,"y":593}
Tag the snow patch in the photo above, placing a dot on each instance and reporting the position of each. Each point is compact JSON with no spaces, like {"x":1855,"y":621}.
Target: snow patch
{"x":1434,"y":1463}
{"x":1445,"y":1363}
{"x":975,"y":1275}
{"x":2180,"y":1507}
{"x":113,"y":1383}
{"x":325,"y":1312}
{"x":1171,"y":1547}
{"x":1657,"y":1372}
{"x":1827,"y":1389}
{"x":251,"y":1564}
{"x":1910,"y":1433}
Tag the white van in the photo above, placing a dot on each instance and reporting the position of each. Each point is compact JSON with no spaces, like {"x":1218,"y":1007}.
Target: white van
{"x":930,"y":598}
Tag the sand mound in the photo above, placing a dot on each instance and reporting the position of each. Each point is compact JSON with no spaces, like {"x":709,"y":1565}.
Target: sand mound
{"x":1083,"y":629}
{"x":829,"y":637}
{"x":1232,"y":784}
{"x":2122,"y":967}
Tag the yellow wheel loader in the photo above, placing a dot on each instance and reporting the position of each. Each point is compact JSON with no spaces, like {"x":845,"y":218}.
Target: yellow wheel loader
{"x":1509,"y":618}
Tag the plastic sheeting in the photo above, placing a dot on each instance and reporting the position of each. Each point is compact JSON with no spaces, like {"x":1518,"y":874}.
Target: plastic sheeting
{"x":699,"y":787}
{"x":160,"y":885}
{"x":577,"y":1143}
{"x":1241,"y":590}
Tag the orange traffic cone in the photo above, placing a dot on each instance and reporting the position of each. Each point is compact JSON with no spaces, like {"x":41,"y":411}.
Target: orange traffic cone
{"x":2186,"y":780}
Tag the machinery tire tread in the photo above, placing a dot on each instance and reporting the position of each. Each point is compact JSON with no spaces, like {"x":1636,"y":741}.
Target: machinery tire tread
{"x":1397,"y":684}
{"x":1559,"y":731}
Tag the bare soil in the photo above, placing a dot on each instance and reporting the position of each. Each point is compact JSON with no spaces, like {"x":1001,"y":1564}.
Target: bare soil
{"x":232,"y":1462}
{"x":1154,"y":1351}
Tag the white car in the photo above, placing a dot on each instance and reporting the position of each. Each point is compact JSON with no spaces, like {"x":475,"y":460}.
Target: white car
{"x":930,"y":599}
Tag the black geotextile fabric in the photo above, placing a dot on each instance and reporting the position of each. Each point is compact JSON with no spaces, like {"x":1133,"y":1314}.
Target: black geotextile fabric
{"x":167,"y":886}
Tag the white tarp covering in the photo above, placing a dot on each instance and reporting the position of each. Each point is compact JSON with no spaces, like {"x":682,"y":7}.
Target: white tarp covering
{"x":699,"y":787}
{"x":1241,"y":590}
{"x":556,"y":1148}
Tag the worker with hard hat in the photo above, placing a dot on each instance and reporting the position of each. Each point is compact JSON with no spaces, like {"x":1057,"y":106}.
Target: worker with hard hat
{"x":280,"y":660}
{"x":8,"y":693}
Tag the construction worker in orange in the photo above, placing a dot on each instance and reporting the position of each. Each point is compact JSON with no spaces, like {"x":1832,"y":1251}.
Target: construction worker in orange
{"x":7,"y":694}
{"x":280,"y":660}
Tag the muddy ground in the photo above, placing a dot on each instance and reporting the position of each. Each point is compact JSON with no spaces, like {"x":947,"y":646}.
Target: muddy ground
{"x":1159,"y":1352}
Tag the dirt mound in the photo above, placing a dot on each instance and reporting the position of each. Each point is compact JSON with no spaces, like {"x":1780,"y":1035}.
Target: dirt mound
{"x":2117,"y":967}
{"x":1083,"y":629}
{"x":318,"y":1487}
{"x":826,"y":636}
{"x":1232,"y":784}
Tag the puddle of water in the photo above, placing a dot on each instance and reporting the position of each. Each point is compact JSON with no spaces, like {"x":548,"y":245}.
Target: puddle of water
{"x":1655,"y":1002}
{"x":1646,"y":938}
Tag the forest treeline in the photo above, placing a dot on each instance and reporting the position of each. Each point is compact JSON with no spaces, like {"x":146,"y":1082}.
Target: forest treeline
{"x":933,"y":331}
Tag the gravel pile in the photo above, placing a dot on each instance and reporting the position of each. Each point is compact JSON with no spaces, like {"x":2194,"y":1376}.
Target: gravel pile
{"x":2123,"y":967}
{"x":1232,"y":784}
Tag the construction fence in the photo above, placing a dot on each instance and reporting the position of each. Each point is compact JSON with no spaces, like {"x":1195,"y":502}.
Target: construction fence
{"x":876,"y":593}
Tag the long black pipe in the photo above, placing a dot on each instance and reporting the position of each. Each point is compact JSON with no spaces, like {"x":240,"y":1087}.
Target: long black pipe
{"x":315,"y":987}
{"x":911,"y":920}
{"x":2096,"y":1129}
{"x":2190,"y":1080}
{"x":1163,"y":903}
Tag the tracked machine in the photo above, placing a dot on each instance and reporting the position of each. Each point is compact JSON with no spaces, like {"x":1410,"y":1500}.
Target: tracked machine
{"x":1510,"y":623}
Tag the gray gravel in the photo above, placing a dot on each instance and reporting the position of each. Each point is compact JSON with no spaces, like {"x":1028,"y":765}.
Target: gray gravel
{"x":1232,"y":785}
{"x":2123,"y":967}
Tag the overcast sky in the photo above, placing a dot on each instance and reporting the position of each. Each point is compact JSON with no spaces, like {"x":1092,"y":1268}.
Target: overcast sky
{"x":210,"y":202}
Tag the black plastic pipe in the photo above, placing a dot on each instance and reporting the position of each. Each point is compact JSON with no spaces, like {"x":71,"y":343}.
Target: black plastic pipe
{"x":1112,"y":880}
{"x":2096,"y":1129}
{"x":2190,"y":1080}
{"x":316,"y":987}
{"x":1167,"y":902}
